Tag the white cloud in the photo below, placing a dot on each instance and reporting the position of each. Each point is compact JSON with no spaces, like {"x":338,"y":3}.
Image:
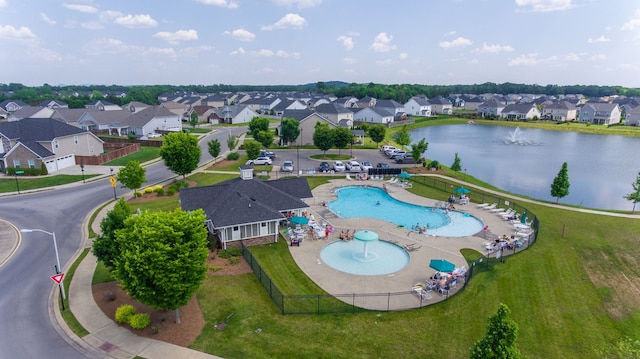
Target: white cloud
{"x":403,"y":56}
{"x":300,"y":3}
{"x":288,"y":55}
{"x":382,"y":43}
{"x":3,"y":3}
{"x":44,"y":55}
{"x":178,"y":36}
{"x":545,"y":5}
{"x":240,"y":51}
{"x":349,"y":60}
{"x":81,"y":8}
{"x":8,"y":32}
{"x":572,"y":56}
{"x":633,"y":23}
{"x":109,"y":15}
{"x":163,"y":51}
{"x":136,"y":21}
{"x":241,"y":35}
{"x":289,"y":21}
{"x":598,"y":57}
{"x":384,"y":62}
{"x":450,"y":33}
{"x":458,"y":42}
{"x":530,"y":60}
{"x":47,"y":19}
{"x":266,"y":53}
{"x":494,"y":48}
{"x":601,"y":38}
{"x":92,"y":25}
{"x":222,"y":3}
{"x":347,"y":42}
{"x":106,"y":45}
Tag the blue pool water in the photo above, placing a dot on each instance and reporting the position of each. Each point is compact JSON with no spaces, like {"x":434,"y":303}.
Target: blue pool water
{"x":372,"y":202}
{"x":382,"y":257}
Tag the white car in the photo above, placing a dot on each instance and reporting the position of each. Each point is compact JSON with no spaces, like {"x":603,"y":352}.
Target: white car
{"x":353,"y":166}
{"x":287,"y":166}
{"x":339,"y":166}
{"x":366,"y":165}
{"x":260,"y":161}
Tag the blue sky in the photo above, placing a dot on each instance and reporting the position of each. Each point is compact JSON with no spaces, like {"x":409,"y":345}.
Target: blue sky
{"x":275,"y":42}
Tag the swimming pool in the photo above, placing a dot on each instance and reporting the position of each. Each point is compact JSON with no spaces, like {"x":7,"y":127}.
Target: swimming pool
{"x":373,"y":202}
{"x":382,"y":258}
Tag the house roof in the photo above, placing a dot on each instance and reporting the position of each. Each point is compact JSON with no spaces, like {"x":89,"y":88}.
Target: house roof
{"x":332,"y":108}
{"x":238,"y":201}
{"x":143,"y":117}
{"x":297,"y":114}
{"x":37,"y":129}
{"x":518,"y":108}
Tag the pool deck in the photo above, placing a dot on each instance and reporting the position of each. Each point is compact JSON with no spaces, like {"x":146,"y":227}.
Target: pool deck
{"x":425,"y":247}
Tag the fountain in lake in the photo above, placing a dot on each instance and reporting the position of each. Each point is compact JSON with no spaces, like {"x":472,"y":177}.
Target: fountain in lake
{"x":516,"y":137}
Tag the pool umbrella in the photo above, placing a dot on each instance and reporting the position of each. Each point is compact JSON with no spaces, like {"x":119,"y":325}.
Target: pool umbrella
{"x":462,"y":190}
{"x":299,"y":220}
{"x":366,"y":237}
{"x":523,"y":218}
{"x":442,"y":265}
{"x":404,"y":175}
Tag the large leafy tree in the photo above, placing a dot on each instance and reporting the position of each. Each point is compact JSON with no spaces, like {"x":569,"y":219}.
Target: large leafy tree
{"x":265,"y":138}
{"x":253,"y":149}
{"x":560,"y":185}
{"x":342,"y":137}
{"x":500,"y":339}
{"x":323,"y":136}
{"x":181,"y":153}
{"x":162,"y":257}
{"x":377,"y":133}
{"x":635,"y":195}
{"x":214,"y":148}
{"x":456,"y":163}
{"x":105,"y":247}
{"x":402,"y":137}
{"x":132,"y":175}
{"x":290,"y":130}
{"x":418,"y":150}
{"x":258,"y":124}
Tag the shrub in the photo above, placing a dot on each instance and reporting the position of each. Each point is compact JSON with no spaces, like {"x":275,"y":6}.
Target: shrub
{"x":148,"y":190}
{"x":160,"y":192}
{"x":124,"y":313}
{"x":230,"y":252}
{"x":171,"y":191}
{"x":234,"y":260}
{"x":132,"y":136}
{"x":157,"y":188}
{"x":215,"y":268}
{"x":138,"y":194}
{"x":232,"y":156}
{"x":139,"y":321}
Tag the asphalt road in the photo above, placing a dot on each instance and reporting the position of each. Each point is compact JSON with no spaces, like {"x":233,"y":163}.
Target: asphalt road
{"x":28,"y":331}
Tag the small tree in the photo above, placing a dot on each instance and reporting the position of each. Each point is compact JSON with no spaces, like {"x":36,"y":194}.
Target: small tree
{"x":418,"y":149}
{"x":258,"y":124}
{"x":162,"y":257}
{"x":323,"y":137}
{"x":252,"y":148}
{"x":499,"y":342}
{"x":181,"y":153}
{"x":105,"y":247}
{"x":290,"y":130}
{"x":132,"y":175}
{"x":232,"y":142}
{"x":402,"y":137}
{"x":193,"y":119}
{"x":560,"y":185}
{"x":635,"y":195}
{"x":377,"y":133}
{"x":456,"y":163}
{"x":214,"y":148}
{"x":342,"y":137}
{"x":265,"y":138}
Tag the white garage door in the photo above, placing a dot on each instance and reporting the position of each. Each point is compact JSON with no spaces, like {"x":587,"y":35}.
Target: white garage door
{"x":60,"y":163}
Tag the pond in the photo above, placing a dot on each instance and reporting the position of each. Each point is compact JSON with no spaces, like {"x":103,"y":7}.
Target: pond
{"x":601,"y":168}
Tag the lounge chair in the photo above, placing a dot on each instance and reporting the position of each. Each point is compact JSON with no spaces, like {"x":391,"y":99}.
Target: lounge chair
{"x":348,"y":177}
{"x":490,"y":207}
{"x":483,"y":205}
{"x":392,"y":180}
{"x":497,"y":210}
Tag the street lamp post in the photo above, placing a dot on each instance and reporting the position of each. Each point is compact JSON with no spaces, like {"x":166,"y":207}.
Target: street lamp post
{"x":82,"y":170}
{"x":58,"y":267}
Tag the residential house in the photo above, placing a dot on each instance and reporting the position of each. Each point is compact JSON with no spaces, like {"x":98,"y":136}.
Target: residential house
{"x":246,"y":210}
{"x":152,"y":119}
{"x":307,"y":124}
{"x":70,"y":116}
{"x":30,"y":142}
{"x":233,"y":114}
{"x":392,"y":106}
{"x":288,"y":105}
{"x":366,"y":101}
{"x":30,"y":112}
{"x":335,"y":113}
{"x":471,"y":102}
{"x":111,"y":121}
{"x":373,"y":115}
{"x":347,"y":101}
{"x":103,"y":105}
{"x":418,"y":106}
{"x":135,"y":106}
{"x":633,"y":117}
{"x":318,"y":101}
{"x":441,"y":105}
{"x":177,"y":108}
{"x":490,"y":108}
{"x":216,"y":100}
{"x":53,"y":104}
{"x":205,"y":113}
{"x":559,"y":110}
{"x":10,"y":106}
{"x":520,"y":111}
{"x":600,"y":113}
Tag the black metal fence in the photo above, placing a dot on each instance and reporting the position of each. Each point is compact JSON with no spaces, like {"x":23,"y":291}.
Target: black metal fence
{"x":391,"y":301}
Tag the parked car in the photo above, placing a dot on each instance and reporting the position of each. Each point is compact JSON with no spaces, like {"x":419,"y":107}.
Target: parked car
{"x":153,"y":135}
{"x":382,"y":165}
{"x":397,"y":152}
{"x":353,"y":166}
{"x":260,"y":161}
{"x":406,"y":158}
{"x":387,"y":148}
{"x":339,"y":166}
{"x":366,"y":165}
{"x":324,"y":167}
{"x":287,"y":166}
{"x":265,"y":153}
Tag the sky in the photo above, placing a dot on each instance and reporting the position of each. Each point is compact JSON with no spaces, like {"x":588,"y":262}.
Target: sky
{"x":292,"y":42}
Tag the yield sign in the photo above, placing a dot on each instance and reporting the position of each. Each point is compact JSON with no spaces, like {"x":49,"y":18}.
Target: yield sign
{"x":57,"y":278}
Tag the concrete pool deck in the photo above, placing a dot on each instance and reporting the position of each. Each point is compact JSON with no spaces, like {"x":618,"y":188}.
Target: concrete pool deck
{"x":426,"y":247}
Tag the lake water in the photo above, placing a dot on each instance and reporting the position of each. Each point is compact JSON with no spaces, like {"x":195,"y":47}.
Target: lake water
{"x":601,"y":168}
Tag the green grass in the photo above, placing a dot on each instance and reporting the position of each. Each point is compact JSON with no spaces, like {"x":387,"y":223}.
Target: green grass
{"x":331,"y":156}
{"x":102,"y":274}
{"x":8,"y":184}
{"x":67,"y":315}
{"x":145,"y":154}
{"x":198,"y":130}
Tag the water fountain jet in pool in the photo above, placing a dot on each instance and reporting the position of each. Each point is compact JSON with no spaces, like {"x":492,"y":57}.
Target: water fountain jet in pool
{"x":517,"y":138}
{"x":365,"y":236}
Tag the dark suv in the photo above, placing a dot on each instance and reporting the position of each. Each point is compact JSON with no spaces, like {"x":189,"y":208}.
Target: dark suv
{"x":324,"y":167}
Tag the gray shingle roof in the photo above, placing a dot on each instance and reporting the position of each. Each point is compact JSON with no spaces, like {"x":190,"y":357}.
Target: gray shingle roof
{"x":37,"y":129}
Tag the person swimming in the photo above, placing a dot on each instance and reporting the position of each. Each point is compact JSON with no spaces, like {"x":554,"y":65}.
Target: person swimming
{"x":378,"y":203}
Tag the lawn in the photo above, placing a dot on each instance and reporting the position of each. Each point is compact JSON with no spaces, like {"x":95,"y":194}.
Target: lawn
{"x":145,"y":154}
{"x":8,"y":184}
